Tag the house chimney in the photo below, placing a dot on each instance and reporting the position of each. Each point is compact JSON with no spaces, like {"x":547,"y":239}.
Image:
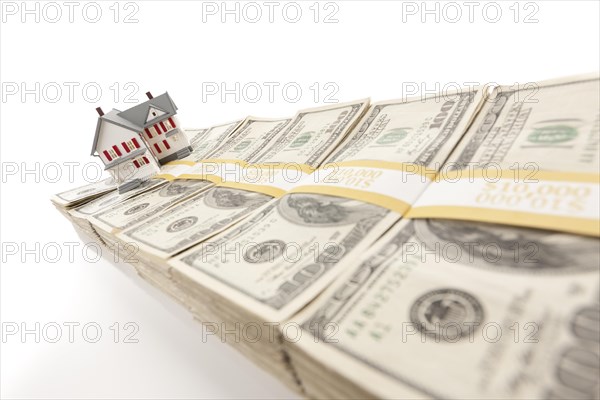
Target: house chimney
{"x":100,"y":112}
{"x":149,"y":95}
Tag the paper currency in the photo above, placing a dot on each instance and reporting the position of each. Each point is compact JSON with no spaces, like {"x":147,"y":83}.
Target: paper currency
{"x":514,"y":313}
{"x":113,"y":198}
{"x":387,"y":306}
{"x":320,"y":230}
{"x":210,"y":140}
{"x":313,"y":134}
{"x":278,"y":257}
{"x":72,"y":197}
{"x":455,"y":309}
{"x":254,"y":134}
{"x":418,"y":131}
{"x":530,"y":159}
{"x":202,"y":217}
{"x":135,"y":210}
{"x":548,"y":126}
{"x":195,"y":136}
{"x":209,"y":213}
{"x":198,"y":218}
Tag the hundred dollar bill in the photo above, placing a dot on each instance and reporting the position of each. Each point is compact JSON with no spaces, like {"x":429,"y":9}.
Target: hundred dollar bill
{"x":76,"y":196}
{"x":277,"y":259}
{"x":547,"y":126}
{"x":195,"y":135}
{"x":306,"y":141}
{"x":135,"y":210}
{"x":113,"y":198}
{"x":450,"y":309}
{"x":194,"y":220}
{"x":531,"y":158}
{"x":250,"y":136}
{"x":313,"y":134}
{"x":254,"y":134}
{"x":210,"y":140}
{"x":202,"y":217}
{"x":289,"y":250}
{"x":418,"y":131}
{"x":396,"y":150}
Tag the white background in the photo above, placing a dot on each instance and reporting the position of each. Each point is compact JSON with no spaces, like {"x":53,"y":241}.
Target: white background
{"x":372,"y":50}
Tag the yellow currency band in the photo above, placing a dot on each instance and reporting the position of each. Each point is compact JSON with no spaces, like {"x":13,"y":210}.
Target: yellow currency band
{"x":581,"y":226}
{"x":391,"y":203}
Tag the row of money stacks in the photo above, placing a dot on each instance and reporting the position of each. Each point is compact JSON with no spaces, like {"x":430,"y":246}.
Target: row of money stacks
{"x":266,"y":214}
{"x":490,"y":287}
{"x":262,"y":271}
{"x":168,"y":218}
{"x":202,"y":205}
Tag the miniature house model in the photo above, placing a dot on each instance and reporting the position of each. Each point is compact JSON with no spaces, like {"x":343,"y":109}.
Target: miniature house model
{"x":133,"y":143}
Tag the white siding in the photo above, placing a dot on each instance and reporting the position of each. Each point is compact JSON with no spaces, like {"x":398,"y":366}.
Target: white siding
{"x":111,"y":134}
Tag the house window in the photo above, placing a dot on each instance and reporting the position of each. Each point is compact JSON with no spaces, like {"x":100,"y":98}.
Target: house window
{"x":112,"y":153}
{"x":116,"y":149}
{"x":108,"y":157}
{"x":140,"y":162}
{"x":125,"y":146}
{"x":166,"y":144}
{"x":157,"y":148}
{"x":135,"y":143}
{"x":148,"y":133}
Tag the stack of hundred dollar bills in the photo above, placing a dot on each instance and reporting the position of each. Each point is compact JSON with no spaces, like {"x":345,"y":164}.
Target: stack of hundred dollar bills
{"x":436,"y":247}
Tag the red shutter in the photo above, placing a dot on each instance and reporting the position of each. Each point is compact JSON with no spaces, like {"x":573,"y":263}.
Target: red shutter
{"x":162,"y":125}
{"x":116,"y":149}
{"x":166,"y":144}
{"x":108,"y":157}
{"x":148,"y":133}
{"x":125,"y":147}
{"x":146,"y":160}
{"x":157,"y":129}
{"x":157,"y":148}
{"x":135,"y":143}
{"x":172,"y":122}
{"x":137,"y":164}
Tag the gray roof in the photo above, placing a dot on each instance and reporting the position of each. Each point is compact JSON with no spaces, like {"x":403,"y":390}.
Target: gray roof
{"x":137,"y":115}
{"x":112,"y":117}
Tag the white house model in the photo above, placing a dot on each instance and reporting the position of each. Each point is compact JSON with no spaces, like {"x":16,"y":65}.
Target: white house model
{"x":133,"y":143}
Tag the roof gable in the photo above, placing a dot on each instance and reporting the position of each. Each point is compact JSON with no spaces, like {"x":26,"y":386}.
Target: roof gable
{"x":139,"y":115}
{"x":153,"y":113}
{"x":112,"y":118}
